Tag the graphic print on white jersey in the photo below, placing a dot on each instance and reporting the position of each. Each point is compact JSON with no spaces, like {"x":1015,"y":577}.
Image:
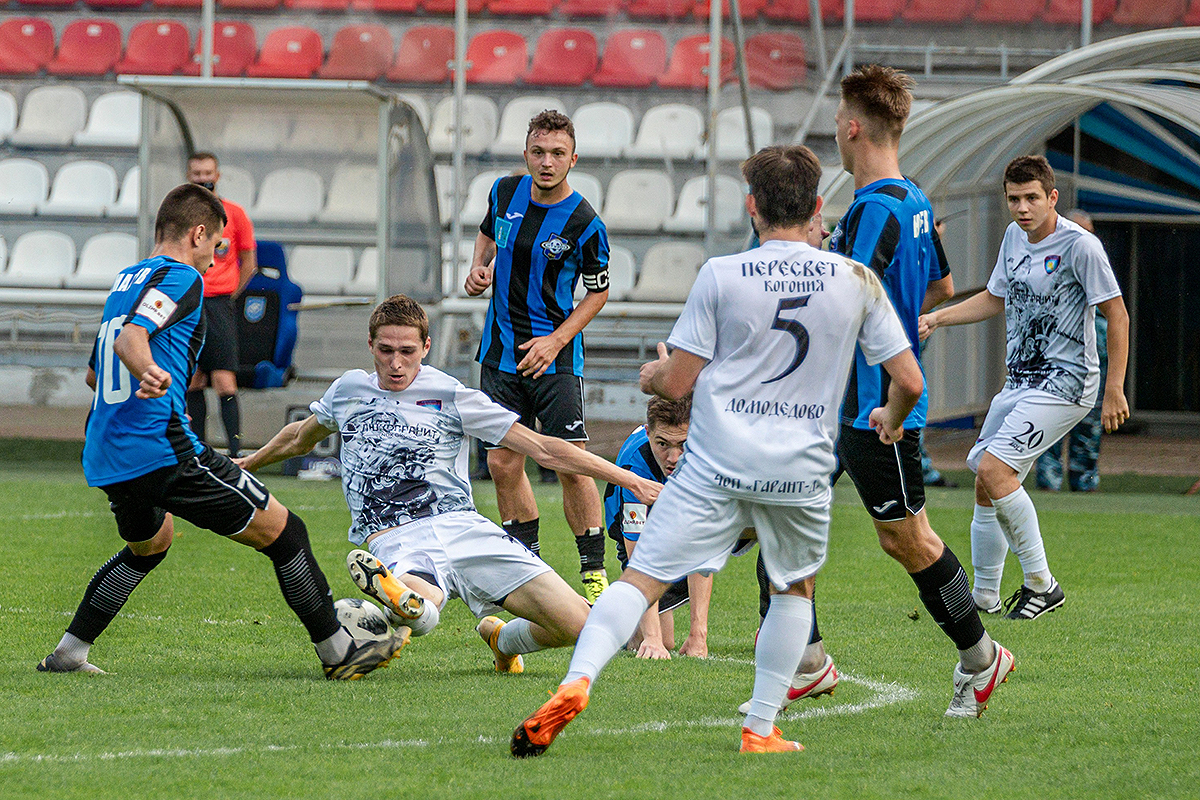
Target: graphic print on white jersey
{"x":1035,"y":320}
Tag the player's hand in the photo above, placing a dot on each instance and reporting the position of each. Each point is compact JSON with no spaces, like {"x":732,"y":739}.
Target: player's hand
{"x":155,"y":382}
{"x":695,"y":646}
{"x":645,"y":490}
{"x":542,"y":350}
{"x":650,"y":369}
{"x":889,"y":432}
{"x":653,"y":650}
{"x":478,"y":280}
{"x":1115,"y":409}
{"x":241,"y":462}
{"x":926,"y":324}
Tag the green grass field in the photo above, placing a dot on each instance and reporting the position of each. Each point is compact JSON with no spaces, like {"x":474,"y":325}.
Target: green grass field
{"x":214,"y":690}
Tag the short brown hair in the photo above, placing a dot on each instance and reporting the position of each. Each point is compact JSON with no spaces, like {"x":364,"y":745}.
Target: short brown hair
{"x":674,"y":413}
{"x":1024,"y":169}
{"x":552,"y":120}
{"x":784,"y":182}
{"x":400,"y":310}
{"x":881,"y":94}
{"x":185,"y":207}
{"x":204,"y":155}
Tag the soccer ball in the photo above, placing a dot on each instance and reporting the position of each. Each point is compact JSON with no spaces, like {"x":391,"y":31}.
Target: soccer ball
{"x":362,"y":618}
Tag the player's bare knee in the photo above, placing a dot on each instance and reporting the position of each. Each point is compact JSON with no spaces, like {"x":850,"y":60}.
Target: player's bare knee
{"x":265,"y":526}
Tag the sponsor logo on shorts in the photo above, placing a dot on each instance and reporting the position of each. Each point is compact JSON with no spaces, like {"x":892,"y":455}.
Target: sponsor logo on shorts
{"x":883,"y":508}
{"x":576,"y":425}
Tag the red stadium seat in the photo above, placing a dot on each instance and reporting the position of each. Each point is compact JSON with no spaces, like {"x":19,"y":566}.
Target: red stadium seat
{"x":1008,"y":11}
{"x":797,"y":10}
{"x":316,"y":5}
{"x":660,"y":9}
{"x":87,"y":47}
{"x":688,"y":68}
{"x":359,"y":52}
{"x":294,"y":51}
{"x":178,"y":3}
{"x":160,"y":47}
{"x":1149,"y":13}
{"x":775,"y":60}
{"x":259,"y":5}
{"x":497,"y":56}
{"x":1070,"y":11}
{"x":234,"y":49}
{"x":114,"y":3}
{"x":877,"y":10}
{"x":592,"y":8}
{"x":749,"y":8}
{"x":45,"y":2}
{"x":529,"y":8}
{"x":447,"y":6}
{"x":633,"y":57}
{"x":563,"y":57}
{"x":425,"y":54}
{"x":938,"y":10}
{"x":1192,"y":15}
{"x":26,"y":45}
{"x":386,"y":6}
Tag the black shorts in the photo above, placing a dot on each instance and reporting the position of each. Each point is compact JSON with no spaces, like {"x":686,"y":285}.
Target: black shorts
{"x":888,"y":477}
{"x":208,"y":490}
{"x":220,"y":349}
{"x":554,"y":400}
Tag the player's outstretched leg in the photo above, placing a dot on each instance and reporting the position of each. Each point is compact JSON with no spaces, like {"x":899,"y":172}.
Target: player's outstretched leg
{"x":404,"y":606}
{"x":366,"y":656}
{"x":972,"y":691}
{"x":534,"y":735}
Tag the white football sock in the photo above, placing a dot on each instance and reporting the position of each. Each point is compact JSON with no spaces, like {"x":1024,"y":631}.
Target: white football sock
{"x":430,"y":616}
{"x":988,"y":549}
{"x":72,"y":651}
{"x":516,"y":637}
{"x":1018,"y":519}
{"x":781,"y":642}
{"x":609,"y":625}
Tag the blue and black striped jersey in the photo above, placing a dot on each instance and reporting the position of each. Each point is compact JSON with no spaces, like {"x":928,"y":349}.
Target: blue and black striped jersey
{"x":127,"y":436}
{"x":636,"y":456}
{"x":541,"y":252}
{"x":889,"y":227}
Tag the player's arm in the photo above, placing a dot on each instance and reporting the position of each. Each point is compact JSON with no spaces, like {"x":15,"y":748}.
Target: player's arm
{"x":132,"y":346}
{"x":542,"y":350}
{"x":248,"y":259}
{"x":937,"y":292}
{"x":699,"y":595}
{"x":977,"y":307}
{"x":295,"y":439}
{"x":671,"y":376}
{"x":90,"y":379}
{"x":480,"y":276}
{"x":904,"y":391}
{"x":565,"y":457}
{"x":1115,"y":408}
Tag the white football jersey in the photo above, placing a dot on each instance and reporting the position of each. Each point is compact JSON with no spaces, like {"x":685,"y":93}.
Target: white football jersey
{"x":405,"y":454}
{"x":778,"y":325}
{"x":1050,"y":291}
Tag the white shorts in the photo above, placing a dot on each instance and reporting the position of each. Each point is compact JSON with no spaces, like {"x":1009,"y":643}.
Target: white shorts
{"x":687,"y":532}
{"x":469,"y":556}
{"x":1021,"y":424}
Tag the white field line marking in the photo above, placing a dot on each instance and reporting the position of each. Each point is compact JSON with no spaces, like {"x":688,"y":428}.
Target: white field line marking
{"x":62,"y":515}
{"x":884,"y":694}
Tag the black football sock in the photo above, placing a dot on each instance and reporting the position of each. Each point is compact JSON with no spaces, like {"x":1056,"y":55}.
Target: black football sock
{"x":947,"y":596}
{"x":591,"y":549}
{"x":231,"y":415}
{"x":524,"y":532}
{"x":197,"y":409}
{"x":108,"y":590}
{"x":304,"y":586}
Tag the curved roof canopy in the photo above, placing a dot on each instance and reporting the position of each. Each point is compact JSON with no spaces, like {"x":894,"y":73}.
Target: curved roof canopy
{"x":1145,"y":83}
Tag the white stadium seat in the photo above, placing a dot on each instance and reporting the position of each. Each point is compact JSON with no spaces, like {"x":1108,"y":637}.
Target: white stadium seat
{"x":127,"y":201}
{"x":247,"y":131}
{"x":454,"y":270}
{"x":24,"y":183}
{"x":731,"y":133}
{"x":291,"y":194}
{"x":443,"y":176}
{"x":50,"y":116}
{"x":691,"y":214}
{"x":81,"y":188}
{"x":514,"y":122}
{"x":589,"y":186}
{"x":418,"y":105}
{"x":622,"y":267}
{"x":477,"y":196}
{"x":3,"y":254}
{"x":638,"y":200}
{"x":115,"y":121}
{"x":320,"y":269}
{"x":366,"y":277}
{"x":479,"y":125}
{"x":603,"y":130}
{"x":353,"y":196}
{"x":102,"y":257}
{"x":672,"y":130}
{"x":8,"y":114}
{"x":668,"y":272}
{"x":236,"y":184}
{"x":40,"y":259}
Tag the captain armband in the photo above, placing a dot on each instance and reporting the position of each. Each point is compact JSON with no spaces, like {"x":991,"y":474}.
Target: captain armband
{"x":597,"y":282}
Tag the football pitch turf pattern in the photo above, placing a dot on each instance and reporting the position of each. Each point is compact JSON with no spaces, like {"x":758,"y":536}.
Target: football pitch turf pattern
{"x":215,"y":691}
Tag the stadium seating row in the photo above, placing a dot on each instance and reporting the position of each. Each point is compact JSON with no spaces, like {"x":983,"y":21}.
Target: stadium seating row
{"x":635,"y":57}
{"x":1139,"y":13}
{"x":54,"y":116}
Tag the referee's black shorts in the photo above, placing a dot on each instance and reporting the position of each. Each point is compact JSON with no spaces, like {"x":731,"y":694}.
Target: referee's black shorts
{"x":220,"y":349}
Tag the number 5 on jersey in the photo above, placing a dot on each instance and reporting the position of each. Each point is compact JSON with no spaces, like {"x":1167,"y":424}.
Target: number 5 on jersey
{"x":793,"y":328}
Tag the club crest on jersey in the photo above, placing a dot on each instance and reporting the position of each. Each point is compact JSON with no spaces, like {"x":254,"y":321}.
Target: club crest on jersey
{"x":436,"y":405}
{"x":222,"y":249}
{"x":255,"y":309}
{"x":555,"y":247}
{"x":1052,"y":263}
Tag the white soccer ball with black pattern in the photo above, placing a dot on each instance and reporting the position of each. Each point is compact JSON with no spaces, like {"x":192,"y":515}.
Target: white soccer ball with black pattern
{"x":362,"y":618}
